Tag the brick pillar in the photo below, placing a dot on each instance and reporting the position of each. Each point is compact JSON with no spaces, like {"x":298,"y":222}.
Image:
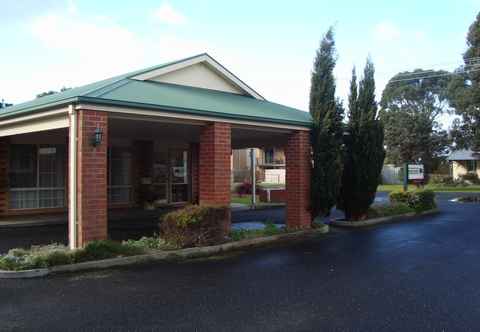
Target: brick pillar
{"x":194,"y":169}
{"x":4,"y":161}
{"x":214,"y":166}
{"x":92,"y":178}
{"x":298,"y":167}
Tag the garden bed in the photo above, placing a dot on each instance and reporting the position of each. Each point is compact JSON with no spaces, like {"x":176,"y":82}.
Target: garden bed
{"x":402,"y":205}
{"x":42,"y":261}
{"x":381,"y":220}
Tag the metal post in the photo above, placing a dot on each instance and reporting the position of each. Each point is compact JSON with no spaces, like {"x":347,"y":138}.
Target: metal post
{"x":405,"y":177}
{"x":253,"y":167}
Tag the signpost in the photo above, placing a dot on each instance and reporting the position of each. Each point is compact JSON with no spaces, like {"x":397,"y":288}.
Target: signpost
{"x":413,"y":172}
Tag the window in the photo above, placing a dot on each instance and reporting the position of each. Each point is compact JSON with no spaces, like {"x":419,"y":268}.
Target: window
{"x":269,"y":156}
{"x":471,"y":165}
{"x":37,"y":176}
{"x":119,"y":175}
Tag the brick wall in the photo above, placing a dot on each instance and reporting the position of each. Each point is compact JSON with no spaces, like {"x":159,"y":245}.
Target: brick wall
{"x":298,"y":167}
{"x":4,"y":161}
{"x":92,"y":177}
{"x":214,"y":161}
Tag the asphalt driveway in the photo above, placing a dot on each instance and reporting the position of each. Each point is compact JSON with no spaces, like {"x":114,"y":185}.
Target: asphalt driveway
{"x":420,"y":275}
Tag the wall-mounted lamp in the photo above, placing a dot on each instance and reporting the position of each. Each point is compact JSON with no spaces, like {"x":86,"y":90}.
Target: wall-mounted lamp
{"x":97,"y":137}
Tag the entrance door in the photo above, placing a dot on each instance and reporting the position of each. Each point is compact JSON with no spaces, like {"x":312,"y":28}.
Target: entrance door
{"x":178,"y":176}
{"x":170,"y":176}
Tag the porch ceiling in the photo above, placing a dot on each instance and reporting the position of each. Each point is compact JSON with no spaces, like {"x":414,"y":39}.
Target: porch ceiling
{"x":257,"y":137}
{"x":148,"y":129}
{"x":189,"y":131}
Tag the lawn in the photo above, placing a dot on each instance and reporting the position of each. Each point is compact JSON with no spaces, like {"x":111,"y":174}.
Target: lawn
{"x":245,"y":199}
{"x":397,"y":187}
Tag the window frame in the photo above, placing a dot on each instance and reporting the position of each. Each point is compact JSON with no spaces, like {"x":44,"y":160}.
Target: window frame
{"x":111,"y":187}
{"x":37,"y":188}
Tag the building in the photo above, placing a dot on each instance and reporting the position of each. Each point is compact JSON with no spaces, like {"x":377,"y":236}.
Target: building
{"x":154,"y":137}
{"x":270,"y":165}
{"x":463,"y":162}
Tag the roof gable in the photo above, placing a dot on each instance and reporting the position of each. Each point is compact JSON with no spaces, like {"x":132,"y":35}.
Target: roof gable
{"x":201,"y":71}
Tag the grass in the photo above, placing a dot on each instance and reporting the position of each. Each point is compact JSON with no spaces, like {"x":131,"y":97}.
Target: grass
{"x":436,"y":188}
{"x":247,"y":200}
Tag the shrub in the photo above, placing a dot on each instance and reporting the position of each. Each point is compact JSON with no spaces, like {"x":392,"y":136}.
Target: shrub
{"x":154,"y":242}
{"x":244,"y":189}
{"x":103,"y":249}
{"x":389,"y":210}
{"x":269,"y":230}
{"x":470,"y":178}
{"x":441,"y":180}
{"x":195,"y":226}
{"x":418,"y":200}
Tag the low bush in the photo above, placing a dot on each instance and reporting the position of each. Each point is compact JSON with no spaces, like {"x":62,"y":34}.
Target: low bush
{"x":53,"y":255}
{"x":269,"y":230}
{"x":103,"y":249}
{"x":418,"y":200}
{"x":470,"y":178}
{"x":441,"y":180}
{"x":195,"y":226}
{"x":389,"y":210}
{"x":151,"y":243}
{"x":244,"y":189}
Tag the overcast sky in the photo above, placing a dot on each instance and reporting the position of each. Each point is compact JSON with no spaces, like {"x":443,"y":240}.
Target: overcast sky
{"x":269,"y":44}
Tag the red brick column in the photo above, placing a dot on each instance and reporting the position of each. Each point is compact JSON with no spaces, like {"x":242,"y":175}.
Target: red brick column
{"x":298,"y":167}
{"x":194,"y":169}
{"x":214,"y":165}
{"x":92,"y":178}
{"x":4,"y":161}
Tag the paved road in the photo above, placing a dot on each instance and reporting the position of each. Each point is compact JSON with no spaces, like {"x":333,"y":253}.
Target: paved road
{"x":420,"y":275}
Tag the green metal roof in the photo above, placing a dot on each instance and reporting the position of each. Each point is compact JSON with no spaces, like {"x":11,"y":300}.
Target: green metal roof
{"x":125,"y":91}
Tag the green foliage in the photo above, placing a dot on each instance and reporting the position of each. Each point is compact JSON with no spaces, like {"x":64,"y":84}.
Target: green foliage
{"x":464,"y":93}
{"x":441,"y":180}
{"x":326,"y":135}
{"x":145,"y":242}
{"x":418,"y":200}
{"x":52,"y":255}
{"x":389,"y":210}
{"x":364,"y":152}
{"x":243,"y":234}
{"x":470,"y":178}
{"x":410,"y":107}
{"x":195,"y":226}
{"x":103,"y":249}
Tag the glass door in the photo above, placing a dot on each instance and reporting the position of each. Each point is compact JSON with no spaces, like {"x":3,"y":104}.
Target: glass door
{"x":178,"y":176}
{"x":161,"y":180}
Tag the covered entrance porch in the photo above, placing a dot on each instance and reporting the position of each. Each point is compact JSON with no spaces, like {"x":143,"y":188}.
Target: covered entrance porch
{"x":141,"y":165}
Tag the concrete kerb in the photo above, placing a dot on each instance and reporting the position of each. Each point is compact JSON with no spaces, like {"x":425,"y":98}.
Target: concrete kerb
{"x":172,"y":255}
{"x":383,"y":220}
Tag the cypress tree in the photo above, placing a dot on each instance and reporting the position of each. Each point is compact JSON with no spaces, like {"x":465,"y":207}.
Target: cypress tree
{"x":364,"y":151}
{"x":326,"y":135}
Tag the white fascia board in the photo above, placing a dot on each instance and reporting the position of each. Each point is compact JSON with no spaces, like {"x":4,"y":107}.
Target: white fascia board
{"x":204,"y":58}
{"x":34,"y":123}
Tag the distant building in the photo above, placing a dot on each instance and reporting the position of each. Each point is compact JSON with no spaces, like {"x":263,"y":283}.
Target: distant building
{"x":270,"y":164}
{"x":463,"y":162}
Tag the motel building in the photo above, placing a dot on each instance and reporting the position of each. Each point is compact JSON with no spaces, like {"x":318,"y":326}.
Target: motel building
{"x":162,"y":135}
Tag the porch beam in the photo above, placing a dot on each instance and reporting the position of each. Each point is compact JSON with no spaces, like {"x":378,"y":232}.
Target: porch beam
{"x":72,"y":179}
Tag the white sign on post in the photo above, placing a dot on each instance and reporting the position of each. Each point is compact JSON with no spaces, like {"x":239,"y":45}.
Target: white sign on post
{"x":415,"y":172}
